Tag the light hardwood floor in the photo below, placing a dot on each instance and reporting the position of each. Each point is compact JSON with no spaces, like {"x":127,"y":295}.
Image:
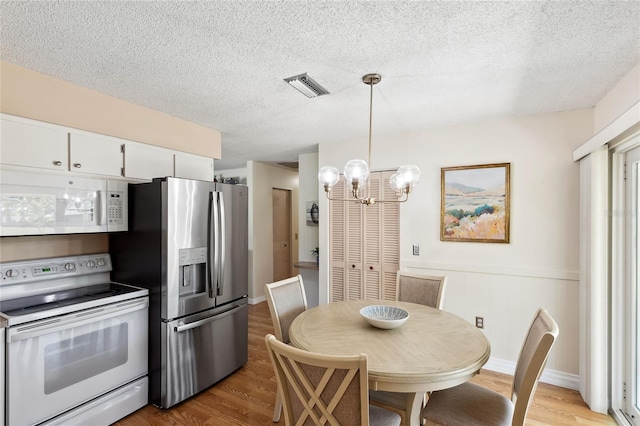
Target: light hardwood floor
{"x":246,"y":397}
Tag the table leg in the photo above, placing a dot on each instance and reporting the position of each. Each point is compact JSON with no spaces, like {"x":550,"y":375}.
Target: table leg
{"x":413,"y":408}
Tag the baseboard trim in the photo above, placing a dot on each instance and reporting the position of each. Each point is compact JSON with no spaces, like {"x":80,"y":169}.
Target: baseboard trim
{"x":552,"y":377}
{"x":256,"y":300}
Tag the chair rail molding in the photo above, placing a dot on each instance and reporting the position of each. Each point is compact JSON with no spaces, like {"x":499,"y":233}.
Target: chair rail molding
{"x":555,"y":274}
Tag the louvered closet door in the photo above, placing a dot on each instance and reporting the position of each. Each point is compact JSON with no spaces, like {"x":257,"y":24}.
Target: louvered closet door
{"x":372,"y":238}
{"x":364,"y":244}
{"x":337,"y":231}
{"x":389,"y":240}
{"x":353,"y":253}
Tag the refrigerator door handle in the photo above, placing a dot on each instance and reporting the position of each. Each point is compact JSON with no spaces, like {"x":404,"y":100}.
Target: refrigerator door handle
{"x":212,"y":244}
{"x":222,"y":239}
{"x":216,"y":317}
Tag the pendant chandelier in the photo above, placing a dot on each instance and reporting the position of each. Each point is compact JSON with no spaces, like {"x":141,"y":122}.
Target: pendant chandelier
{"x":356,"y":172}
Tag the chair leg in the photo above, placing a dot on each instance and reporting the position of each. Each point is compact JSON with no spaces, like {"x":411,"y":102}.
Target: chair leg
{"x":278,"y":408}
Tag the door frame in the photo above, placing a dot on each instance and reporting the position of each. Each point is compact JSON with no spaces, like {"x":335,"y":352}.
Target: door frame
{"x":289,"y":225}
{"x":622,"y":310}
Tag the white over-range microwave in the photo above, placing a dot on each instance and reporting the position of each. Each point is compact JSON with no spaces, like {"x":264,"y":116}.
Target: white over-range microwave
{"x":33,"y":203}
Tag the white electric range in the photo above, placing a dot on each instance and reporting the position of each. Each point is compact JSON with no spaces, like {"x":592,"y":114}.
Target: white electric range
{"x":75,"y":342}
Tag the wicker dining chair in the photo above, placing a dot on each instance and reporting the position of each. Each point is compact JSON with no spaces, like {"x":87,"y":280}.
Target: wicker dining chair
{"x":286,"y":300}
{"x":423,"y":289}
{"x":473,"y":405}
{"x":320,"y":389}
{"x":426,"y":290}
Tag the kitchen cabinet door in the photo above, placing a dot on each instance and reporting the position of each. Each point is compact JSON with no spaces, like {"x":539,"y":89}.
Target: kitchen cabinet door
{"x":147,"y":162}
{"x":25,"y":143}
{"x":101,"y":155}
{"x":193,"y":166}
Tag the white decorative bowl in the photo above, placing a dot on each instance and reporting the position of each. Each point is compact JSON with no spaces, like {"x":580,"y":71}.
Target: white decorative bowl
{"x":382,"y":316}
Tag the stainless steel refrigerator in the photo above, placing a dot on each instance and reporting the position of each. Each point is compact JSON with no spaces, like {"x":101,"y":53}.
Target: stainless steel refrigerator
{"x":188,"y":244}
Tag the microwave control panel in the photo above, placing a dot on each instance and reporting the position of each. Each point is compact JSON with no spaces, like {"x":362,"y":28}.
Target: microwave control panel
{"x":115,"y":207}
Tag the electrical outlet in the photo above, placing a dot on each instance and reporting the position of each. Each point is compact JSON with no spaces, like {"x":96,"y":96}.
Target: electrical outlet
{"x":416,"y":250}
{"x":480,"y":322}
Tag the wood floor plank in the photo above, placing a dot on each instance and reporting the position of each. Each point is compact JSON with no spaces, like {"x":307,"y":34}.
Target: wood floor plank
{"x":246,"y":397}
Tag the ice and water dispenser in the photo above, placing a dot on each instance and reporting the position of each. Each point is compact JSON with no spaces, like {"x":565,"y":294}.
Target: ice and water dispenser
{"x":193,"y":271}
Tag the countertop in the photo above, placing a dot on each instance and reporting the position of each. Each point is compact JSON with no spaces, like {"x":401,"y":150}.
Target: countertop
{"x":306,"y":265}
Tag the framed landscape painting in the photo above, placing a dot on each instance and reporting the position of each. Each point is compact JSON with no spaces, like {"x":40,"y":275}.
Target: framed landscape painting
{"x":475,"y":203}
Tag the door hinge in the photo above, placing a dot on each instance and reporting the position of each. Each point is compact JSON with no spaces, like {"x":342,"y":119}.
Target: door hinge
{"x":625,"y":171}
{"x":624,"y":390}
{"x":122,"y":171}
{"x":122,"y":148}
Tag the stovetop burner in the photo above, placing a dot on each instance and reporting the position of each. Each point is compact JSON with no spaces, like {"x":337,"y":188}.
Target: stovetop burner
{"x":44,"y":302}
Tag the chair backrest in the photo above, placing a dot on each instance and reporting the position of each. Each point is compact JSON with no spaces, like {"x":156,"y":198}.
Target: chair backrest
{"x":286,"y":300}
{"x":423,"y":289}
{"x":320,"y":389}
{"x":533,"y":357}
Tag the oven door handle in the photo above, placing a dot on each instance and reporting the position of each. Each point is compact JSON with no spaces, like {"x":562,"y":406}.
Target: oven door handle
{"x":30,"y":331}
{"x":215,"y":317}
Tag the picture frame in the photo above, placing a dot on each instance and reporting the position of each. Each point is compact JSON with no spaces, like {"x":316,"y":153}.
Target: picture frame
{"x":312,"y":212}
{"x":475,"y":203}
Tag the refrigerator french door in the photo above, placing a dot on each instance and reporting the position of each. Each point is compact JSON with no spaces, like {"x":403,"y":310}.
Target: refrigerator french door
{"x":188,"y":243}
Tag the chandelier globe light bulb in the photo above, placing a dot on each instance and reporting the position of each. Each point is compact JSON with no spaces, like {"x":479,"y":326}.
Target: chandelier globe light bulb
{"x":328,"y":176}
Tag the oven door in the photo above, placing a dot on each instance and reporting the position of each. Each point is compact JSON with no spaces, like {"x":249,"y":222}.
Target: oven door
{"x":56,"y":364}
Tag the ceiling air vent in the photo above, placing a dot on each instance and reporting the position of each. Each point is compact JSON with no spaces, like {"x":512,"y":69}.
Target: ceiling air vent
{"x":306,"y":85}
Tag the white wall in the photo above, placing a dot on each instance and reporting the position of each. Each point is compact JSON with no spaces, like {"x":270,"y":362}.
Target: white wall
{"x":504,"y":283}
{"x":309,"y":186}
{"x":308,"y":174}
{"x":239,"y":174}
{"x":261,"y":179}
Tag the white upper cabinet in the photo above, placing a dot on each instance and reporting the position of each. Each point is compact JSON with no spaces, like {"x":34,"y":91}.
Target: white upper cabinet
{"x":32,"y":143}
{"x":97,"y":154}
{"x":23,"y":143}
{"x":193,"y":166}
{"x":147,"y":162}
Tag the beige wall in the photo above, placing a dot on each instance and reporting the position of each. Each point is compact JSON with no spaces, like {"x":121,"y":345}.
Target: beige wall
{"x":261,"y":179}
{"x":37,"y":247}
{"x":33,"y":95}
{"x":29,"y":94}
{"x":619,"y":99}
{"x":504,"y":283}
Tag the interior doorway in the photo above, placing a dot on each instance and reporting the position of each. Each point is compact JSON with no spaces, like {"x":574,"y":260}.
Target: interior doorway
{"x":281,"y":234}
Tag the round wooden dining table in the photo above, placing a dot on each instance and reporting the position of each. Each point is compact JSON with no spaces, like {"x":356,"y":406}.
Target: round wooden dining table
{"x":432,"y":350}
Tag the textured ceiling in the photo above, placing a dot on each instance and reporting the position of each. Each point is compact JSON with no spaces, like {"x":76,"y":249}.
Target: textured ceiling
{"x":222,"y":64}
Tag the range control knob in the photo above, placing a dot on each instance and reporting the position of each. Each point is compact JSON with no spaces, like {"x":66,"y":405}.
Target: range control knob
{"x":91,"y":264}
{"x":12,"y":273}
{"x":101,"y":262}
{"x":70,"y":266}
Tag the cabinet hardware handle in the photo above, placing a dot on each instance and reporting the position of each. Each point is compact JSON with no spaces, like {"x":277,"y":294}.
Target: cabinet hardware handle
{"x":57,"y":163}
{"x":77,"y":165}
{"x":371,"y":267}
{"x":353,"y":266}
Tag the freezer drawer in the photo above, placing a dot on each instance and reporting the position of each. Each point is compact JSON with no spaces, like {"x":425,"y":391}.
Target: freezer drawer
{"x":201,"y":349}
